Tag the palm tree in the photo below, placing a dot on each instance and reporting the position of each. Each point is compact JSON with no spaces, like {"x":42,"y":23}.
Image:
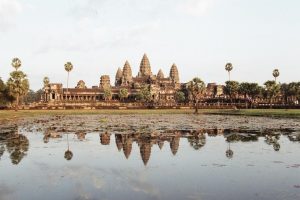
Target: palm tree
{"x":68,"y":68}
{"x":46,"y":81}
{"x":196,"y":88}
{"x":16,"y":63}
{"x":18,"y":83}
{"x":276,"y":73}
{"x":228,"y":67}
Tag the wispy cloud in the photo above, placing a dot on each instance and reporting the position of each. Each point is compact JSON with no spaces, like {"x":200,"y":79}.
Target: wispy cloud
{"x":195,"y":7}
{"x":9,"y":9}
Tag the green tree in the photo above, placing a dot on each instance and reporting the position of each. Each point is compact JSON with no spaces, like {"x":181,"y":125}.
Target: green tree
{"x":252,"y":90}
{"x":123,"y":93}
{"x":46,"y":81}
{"x":231,"y":89}
{"x":68,"y":68}
{"x":144,"y":94}
{"x":5,"y":97}
{"x":272,"y":90}
{"x":18,"y":84}
{"x":276,"y":74}
{"x":107,"y":94}
{"x":33,"y":96}
{"x":228,"y":68}
{"x":179,"y":97}
{"x":290,"y":90}
{"x":196,"y":88}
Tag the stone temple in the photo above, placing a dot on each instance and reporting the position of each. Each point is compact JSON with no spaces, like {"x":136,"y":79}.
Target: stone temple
{"x":162,"y":88}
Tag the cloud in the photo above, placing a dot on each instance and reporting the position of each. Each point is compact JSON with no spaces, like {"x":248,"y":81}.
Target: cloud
{"x":195,"y":7}
{"x":9,"y":9}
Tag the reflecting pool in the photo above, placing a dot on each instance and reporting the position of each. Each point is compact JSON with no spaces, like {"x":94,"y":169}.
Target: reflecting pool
{"x":51,"y":159}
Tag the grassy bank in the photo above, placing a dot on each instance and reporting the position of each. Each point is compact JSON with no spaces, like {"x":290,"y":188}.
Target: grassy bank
{"x":10,"y":115}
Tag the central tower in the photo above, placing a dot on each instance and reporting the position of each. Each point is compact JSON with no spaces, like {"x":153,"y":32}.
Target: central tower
{"x":145,"y":67}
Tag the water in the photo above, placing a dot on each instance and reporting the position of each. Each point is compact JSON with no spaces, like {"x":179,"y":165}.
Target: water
{"x":172,"y":164}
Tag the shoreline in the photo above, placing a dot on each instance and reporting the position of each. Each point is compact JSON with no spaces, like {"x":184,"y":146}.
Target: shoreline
{"x":281,"y":113}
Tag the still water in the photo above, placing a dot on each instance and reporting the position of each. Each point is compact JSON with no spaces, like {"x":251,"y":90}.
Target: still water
{"x":202,"y":164}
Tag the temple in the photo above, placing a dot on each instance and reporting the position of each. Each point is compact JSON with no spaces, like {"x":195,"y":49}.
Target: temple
{"x":161,"y":88}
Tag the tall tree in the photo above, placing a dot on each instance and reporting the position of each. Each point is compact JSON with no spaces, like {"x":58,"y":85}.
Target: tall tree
{"x":68,"y":68}
{"x":276,"y":74}
{"x":196,"y":88}
{"x":179,"y":97}
{"x":123,"y":93}
{"x":272,"y":90}
{"x":107,"y":94}
{"x":46,"y":81}
{"x":18,"y":84}
{"x":231,"y":89}
{"x":5,"y":97}
{"x":144,"y":94}
{"x":228,"y":68}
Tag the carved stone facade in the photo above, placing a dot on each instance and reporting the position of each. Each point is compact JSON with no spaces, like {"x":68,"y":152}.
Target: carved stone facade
{"x":161,"y":88}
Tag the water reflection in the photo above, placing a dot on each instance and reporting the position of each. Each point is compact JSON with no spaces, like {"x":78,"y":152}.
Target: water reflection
{"x":15,"y":144}
{"x":68,"y":154}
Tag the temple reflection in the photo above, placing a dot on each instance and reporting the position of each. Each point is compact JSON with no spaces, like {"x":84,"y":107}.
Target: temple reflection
{"x":145,"y":142}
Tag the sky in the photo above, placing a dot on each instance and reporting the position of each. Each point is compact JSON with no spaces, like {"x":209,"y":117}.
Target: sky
{"x":200,"y":36}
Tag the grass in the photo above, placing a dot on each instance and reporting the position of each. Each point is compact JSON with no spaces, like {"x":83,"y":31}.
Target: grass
{"x":11,"y":115}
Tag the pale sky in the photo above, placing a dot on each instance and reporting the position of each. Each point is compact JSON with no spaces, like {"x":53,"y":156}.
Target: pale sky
{"x":200,"y":36}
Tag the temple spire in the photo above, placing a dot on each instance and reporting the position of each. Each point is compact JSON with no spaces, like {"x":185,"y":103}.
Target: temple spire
{"x":145,"y":67}
{"x":174,"y":75}
{"x":160,"y":74}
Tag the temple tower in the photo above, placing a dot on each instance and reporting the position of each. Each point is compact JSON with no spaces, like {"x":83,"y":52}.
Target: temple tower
{"x":145,"y":67}
{"x":105,"y":138}
{"x":119,"y":75}
{"x":174,"y":75}
{"x":160,"y":74}
{"x":174,"y":144}
{"x":127,"y":74}
{"x":104,"y":81}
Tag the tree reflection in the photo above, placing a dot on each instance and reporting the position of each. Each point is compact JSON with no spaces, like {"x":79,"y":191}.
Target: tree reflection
{"x":273,"y":140}
{"x":68,"y":154}
{"x":229,"y":152}
{"x":2,"y":150}
{"x":197,"y":141}
{"x":17,"y":146}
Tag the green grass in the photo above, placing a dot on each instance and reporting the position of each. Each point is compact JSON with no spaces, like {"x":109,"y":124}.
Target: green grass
{"x":11,"y":115}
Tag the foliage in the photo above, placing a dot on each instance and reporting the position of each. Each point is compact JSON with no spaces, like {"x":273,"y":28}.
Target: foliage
{"x":290,"y":90}
{"x":18,"y":85}
{"x":123,"y":93}
{"x":249,"y":89}
{"x":68,"y":66}
{"x":231,"y":88}
{"x":16,"y":63}
{"x":275,"y":73}
{"x":272,"y":89}
{"x":46,"y":81}
{"x":5,"y":97}
{"x":196,"y":88}
{"x":107,"y":94}
{"x":144,"y":94}
{"x":33,"y":96}
{"x":179,"y":97}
